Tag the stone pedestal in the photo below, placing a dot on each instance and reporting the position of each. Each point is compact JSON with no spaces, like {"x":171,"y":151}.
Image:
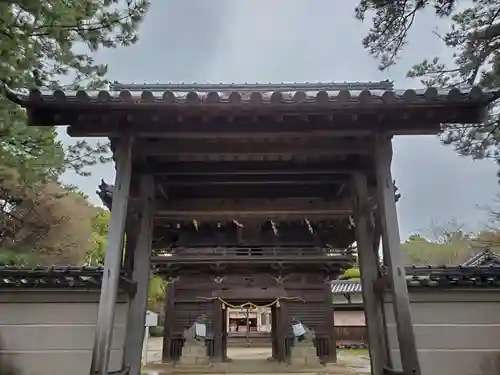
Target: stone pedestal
{"x":304,"y":354}
{"x":194,"y":353}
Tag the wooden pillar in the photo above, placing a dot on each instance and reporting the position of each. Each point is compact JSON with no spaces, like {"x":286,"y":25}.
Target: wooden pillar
{"x":274,"y":332}
{"x":128,"y":259}
{"x":141,"y":268}
{"x":217,"y":327}
{"x":168,"y":323}
{"x":394,"y":263}
{"x":131,"y":242}
{"x":281,"y":331}
{"x":225,"y":319}
{"x":330,"y":324}
{"x":376,"y":247}
{"x":369,"y":268}
{"x":113,"y":260}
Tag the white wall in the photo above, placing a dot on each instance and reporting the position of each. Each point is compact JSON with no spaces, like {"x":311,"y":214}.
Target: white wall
{"x":52,"y":333}
{"x":457,"y":331}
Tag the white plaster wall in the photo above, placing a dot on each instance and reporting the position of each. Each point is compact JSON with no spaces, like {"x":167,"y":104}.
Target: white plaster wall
{"x":52,"y":333}
{"x":354,"y":318}
{"x":457,"y":332}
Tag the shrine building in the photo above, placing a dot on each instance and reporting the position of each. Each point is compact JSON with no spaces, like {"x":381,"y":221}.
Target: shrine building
{"x":253,"y":194}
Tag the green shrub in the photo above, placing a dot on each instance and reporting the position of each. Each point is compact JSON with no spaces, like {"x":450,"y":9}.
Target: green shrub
{"x":156,"y":331}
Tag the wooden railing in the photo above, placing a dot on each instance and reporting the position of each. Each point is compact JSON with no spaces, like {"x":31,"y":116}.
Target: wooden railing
{"x":237,"y":252}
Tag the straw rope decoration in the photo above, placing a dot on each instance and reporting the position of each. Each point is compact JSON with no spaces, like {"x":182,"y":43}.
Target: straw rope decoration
{"x":251,"y":305}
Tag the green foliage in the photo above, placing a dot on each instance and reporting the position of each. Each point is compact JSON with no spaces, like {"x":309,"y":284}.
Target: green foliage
{"x":41,"y":41}
{"x":419,"y":250}
{"x":156,"y":331}
{"x":351,"y":274}
{"x":474,"y":40}
{"x":156,"y":294}
{"x":156,"y":289}
{"x":34,"y":153}
{"x":449,"y":244}
{"x":97,"y":252}
{"x":12,"y":257}
{"x":391,"y":21}
{"x":99,"y":241}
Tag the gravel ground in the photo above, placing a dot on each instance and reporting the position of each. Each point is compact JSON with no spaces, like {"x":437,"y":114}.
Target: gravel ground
{"x":356,"y":360}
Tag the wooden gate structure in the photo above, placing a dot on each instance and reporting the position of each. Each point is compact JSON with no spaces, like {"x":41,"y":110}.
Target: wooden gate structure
{"x":265,"y":158}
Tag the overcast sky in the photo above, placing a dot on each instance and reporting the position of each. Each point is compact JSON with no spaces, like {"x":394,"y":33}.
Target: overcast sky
{"x":298,"y":41}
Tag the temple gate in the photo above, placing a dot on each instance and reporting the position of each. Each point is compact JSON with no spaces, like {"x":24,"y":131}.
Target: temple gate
{"x":254,"y":189}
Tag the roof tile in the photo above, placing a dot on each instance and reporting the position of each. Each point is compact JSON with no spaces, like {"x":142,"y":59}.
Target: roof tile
{"x":329,"y":94}
{"x":50,"y":277}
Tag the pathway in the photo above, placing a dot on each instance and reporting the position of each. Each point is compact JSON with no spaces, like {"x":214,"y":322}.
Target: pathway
{"x":356,"y":360}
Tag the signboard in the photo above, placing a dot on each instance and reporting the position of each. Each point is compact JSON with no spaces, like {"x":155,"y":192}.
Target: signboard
{"x":201,"y":330}
{"x":298,"y":329}
{"x":151,"y":319}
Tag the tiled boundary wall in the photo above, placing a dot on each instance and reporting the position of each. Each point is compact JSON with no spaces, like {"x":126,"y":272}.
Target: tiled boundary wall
{"x":457,"y":330}
{"x":52,"y":331}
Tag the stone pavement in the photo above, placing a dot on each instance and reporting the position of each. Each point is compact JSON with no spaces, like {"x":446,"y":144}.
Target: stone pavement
{"x":357,"y":362}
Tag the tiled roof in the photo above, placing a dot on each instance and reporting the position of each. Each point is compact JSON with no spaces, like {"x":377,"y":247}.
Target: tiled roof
{"x":324,"y":94}
{"x":442,"y":277}
{"x":483,"y":258}
{"x":450,"y":276}
{"x":346,"y":286}
{"x":53,"y":277}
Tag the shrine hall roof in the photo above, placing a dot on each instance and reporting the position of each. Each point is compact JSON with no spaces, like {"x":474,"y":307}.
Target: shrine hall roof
{"x":328,"y":94}
{"x":484,"y":258}
{"x":346,"y":286}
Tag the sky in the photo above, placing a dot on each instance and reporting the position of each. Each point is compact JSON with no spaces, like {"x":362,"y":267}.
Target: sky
{"x":302,"y":41}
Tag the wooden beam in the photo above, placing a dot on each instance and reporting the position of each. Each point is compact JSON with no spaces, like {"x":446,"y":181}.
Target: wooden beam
{"x":257,"y":261}
{"x":155,"y":123}
{"x":394,"y":261}
{"x":141,"y":268}
{"x":177,"y":149}
{"x":255,"y":168}
{"x":113,"y":260}
{"x":256,"y":192}
{"x":291,"y":208}
{"x":256,"y":179}
{"x":254,"y":204}
{"x":369,"y":267}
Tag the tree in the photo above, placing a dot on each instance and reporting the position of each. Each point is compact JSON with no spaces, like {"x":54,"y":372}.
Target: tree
{"x":351,"y":274}
{"x":444,"y":244}
{"x":97,"y":251}
{"x":50,"y":225}
{"x":99,"y":240}
{"x":41,"y":41}
{"x":156,"y":294}
{"x":490,"y":236}
{"x":474,"y":39}
{"x":419,"y":250}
